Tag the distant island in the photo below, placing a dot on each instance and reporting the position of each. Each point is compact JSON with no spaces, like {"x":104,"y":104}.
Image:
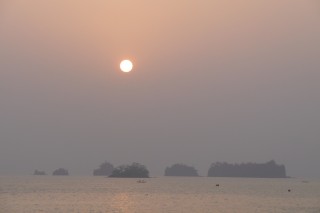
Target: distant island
{"x":135,"y":170}
{"x":105,"y":169}
{"x":264,"y":170}
{"x":36,"y":172}
{"x":269,"y":169}
{"x":181,"y":170}
{"x":60,"y":171}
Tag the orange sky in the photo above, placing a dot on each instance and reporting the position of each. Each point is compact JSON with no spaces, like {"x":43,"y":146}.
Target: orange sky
{"x":145,"y":30}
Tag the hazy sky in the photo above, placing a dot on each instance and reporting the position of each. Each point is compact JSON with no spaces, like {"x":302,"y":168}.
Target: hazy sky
{"x":213,"y":80}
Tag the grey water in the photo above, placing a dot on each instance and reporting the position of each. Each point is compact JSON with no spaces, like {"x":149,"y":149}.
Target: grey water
{"x":161,"y":194}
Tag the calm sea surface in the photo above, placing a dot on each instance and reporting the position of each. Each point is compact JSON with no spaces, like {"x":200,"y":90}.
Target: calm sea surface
{"x":99,"y":194}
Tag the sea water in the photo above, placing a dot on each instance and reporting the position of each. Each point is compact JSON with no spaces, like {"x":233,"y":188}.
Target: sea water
{"x":69,"y":194}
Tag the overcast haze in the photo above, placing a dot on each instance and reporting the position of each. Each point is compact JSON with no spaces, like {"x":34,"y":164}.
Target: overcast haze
{"x":233,"y":81}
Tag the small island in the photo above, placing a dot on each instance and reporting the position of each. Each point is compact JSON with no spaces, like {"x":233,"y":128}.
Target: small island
{"x":264,"y":170}
{"x":60,"y":172}
{"x":36,"y":172}
{"x":135,"y":170}
{"x":105,"y":169}
{"x":181,"y":170}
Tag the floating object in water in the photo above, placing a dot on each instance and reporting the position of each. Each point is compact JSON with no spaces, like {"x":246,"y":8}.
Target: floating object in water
{"x":218,"y":185}
{"x":141,"y":181}
{"x":289,"y":190}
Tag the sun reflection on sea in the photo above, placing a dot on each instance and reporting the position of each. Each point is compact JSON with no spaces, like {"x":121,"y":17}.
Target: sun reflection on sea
{"x":122,"y":202}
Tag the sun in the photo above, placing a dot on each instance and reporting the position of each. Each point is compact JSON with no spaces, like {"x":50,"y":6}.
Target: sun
{"x":126,"y":65}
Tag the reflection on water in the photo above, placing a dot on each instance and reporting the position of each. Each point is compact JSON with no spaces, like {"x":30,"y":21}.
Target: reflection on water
{"x":122,"y":202}
{"x":100,"y":195}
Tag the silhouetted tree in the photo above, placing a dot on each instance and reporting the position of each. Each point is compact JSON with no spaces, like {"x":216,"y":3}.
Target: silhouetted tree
{"x":180,"y":170}
{"x":265,"y":170}
{"x":60,"y":171}
{"x":135,"y":170}
{"x":105,"y":169}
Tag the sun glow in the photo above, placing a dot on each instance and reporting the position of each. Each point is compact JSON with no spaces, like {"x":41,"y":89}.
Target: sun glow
{"x":126,"y":66}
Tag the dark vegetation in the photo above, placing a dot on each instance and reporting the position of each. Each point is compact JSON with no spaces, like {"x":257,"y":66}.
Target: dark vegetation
{"x":36,"y":172}
{"x":60,"y":171}
{"x":264,"y":170}
{"x":135,"y":170}
{"x":105,"y":169}
{"x":181,"y":170}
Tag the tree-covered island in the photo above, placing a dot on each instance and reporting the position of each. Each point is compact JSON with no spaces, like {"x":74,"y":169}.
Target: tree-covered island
{"x":105,"y":169}
{"x":181,"y":170}
{"x":60,"y":172}
{"x":135,"y":170}
{"x":37,"y":172}
{"x":263,"y":170}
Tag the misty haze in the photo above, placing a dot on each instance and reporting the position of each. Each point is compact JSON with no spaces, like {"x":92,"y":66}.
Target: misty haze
{"x":214,"y":82}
